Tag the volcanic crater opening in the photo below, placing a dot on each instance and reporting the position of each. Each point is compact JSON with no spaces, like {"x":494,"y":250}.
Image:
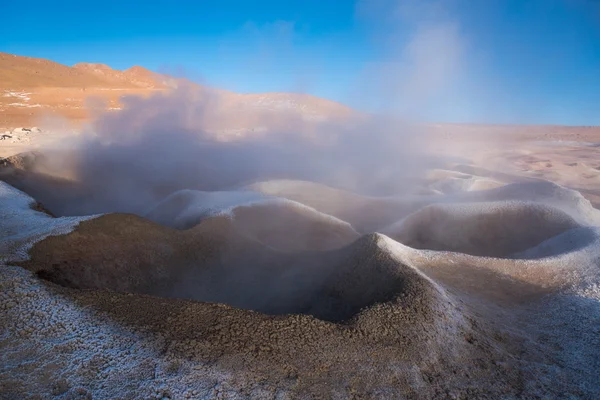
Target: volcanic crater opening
{"x":212,"y":262}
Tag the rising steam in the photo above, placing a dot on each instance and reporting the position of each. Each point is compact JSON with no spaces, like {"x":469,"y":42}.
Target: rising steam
{"x":205,"y":139}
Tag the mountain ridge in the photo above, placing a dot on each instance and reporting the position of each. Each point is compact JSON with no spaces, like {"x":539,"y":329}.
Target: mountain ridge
{"x":32,"y":88}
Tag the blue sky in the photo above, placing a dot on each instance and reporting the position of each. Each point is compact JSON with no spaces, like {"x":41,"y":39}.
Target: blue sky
{"x":498,"y":61}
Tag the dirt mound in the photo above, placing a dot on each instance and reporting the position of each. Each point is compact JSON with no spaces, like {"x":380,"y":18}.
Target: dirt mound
{"x":290,"y":226}
{"x":448,"y":181}
{"x":22,"y":162}
{"x":365,"y":213}
{"x":568,"y":242}
{"x":483,"y":229}
{"x":187,"y":208}
{"x":321,"y":197}
{"x":543,"y":192}
{"x":460,"y":184}
{"x":213,"y":262}
{"x":107,"y":344}
{"x":277,"y":223}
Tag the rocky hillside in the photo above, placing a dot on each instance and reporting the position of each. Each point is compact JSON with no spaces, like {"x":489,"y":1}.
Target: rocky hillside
{"x":32,"y":89}
{"x":134,"y":76}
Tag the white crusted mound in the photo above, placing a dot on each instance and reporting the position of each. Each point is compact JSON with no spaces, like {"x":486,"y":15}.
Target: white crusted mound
{"x":575,"y":255}
{"x":275,"y":222}
{"x":313,"y":194}
{"x":485,"y":229}
{"x":568,"y":262}
{"x":22,"y":226}
{"x":186,"y":208}
{"x":447,"y":181}
{"x":366,"y":214}
{"x":374,"y":214}
{"x":548,"y":193}
{"x":290,"y":226}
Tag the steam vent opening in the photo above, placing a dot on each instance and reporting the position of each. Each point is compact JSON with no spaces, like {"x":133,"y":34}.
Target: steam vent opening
{"x":212,"y":262}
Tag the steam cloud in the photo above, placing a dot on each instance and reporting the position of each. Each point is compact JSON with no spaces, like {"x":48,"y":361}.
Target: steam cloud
{"x":202,"y":139}
{"x":130,"y":160}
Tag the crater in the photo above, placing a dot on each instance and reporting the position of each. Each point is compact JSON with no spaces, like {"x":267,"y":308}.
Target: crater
{"x":481,"y":229}
{"x":213,"y":262}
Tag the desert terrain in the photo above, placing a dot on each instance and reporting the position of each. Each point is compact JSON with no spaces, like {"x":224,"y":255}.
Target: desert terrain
{"x":160,"y":239}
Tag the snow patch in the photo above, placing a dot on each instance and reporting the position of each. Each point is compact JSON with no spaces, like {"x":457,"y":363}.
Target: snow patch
{"x":24,"y":105}
{"x":21,"y":226}
{"x":19,"y":95}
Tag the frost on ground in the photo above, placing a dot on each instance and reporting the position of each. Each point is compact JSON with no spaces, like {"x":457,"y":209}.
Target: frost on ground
{"x":79,"y":352}
{"x":22,"y":226}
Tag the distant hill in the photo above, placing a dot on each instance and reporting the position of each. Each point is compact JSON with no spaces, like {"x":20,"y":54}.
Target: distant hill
{"x":32,"y":87}
{"x":28,"y":72}
{"x":134,"y":76}
{"x":24,"y":72}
